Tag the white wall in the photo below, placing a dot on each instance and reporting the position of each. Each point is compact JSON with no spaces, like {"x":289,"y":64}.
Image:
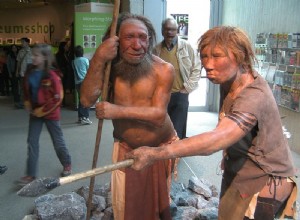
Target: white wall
{"x":155,"y":10}
{"x":198,"y":11}
{"x":257,"y":16}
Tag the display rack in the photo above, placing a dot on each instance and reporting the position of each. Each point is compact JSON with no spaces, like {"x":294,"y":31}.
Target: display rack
{"x":279,"y":58}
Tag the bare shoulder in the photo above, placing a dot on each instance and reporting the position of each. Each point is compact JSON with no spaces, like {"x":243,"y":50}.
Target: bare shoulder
{"x":158,"y":60}
{"x":162,"y":66}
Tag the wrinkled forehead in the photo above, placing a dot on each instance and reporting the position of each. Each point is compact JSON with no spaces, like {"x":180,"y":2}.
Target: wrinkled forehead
{"x":133,"y":26}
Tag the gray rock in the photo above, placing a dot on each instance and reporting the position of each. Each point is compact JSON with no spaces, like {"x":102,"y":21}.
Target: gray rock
{"x":201,"y":202}
{"x":108,"y":214}
{"x":68,"y":206}
{"x":199,"y":187}
{"x":30,"y":217}
{"x":186,"y":213}
{"x":177,"y":187}
{"x":102,"y":190}
{"x":173,"y":208}
{"x":98,"y":201}
{"x":208,"y":214}
{"x":97,"y":216}
{"x":186,"y":198}
{"x":197,"y":201}
{"x":213,"y":202}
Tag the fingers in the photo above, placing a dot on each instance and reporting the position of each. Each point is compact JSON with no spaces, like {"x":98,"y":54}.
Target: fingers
{"x":140,"y":160}
{"x":130,"y":155}
{"x":100,"y":110}
{"x":108,"y":49}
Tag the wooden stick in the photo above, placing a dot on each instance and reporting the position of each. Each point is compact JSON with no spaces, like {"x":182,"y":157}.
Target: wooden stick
{"x":96,"y":171}
{"x":44,"y":185}
{"x":104,"y":98}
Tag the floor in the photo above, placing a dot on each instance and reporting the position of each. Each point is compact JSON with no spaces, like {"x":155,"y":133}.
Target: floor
{"x":81,"y":142}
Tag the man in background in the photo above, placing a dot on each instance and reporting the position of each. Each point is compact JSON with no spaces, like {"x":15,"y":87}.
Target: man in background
{"x":187,"y":67}
{"x":23,"y":59}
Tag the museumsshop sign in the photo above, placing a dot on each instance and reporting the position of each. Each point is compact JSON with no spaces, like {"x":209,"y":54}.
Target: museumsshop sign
{"x":37,"y":28}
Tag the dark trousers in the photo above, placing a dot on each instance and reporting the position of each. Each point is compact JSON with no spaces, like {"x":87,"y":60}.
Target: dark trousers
{"x":82,"y":112}
{"x":15,"y":88}
{"x":178,"y":111}
{"x":4,"y":84}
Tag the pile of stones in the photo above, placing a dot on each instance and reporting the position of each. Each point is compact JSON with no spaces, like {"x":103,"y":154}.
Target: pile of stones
{"x":198,"y":200}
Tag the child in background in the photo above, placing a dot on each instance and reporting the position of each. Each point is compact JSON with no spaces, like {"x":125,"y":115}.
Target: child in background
{"x":80,"y":66}
{"x":43,"y":94}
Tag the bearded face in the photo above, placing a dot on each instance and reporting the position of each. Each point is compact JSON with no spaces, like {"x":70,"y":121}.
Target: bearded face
{"x":131,"y":72}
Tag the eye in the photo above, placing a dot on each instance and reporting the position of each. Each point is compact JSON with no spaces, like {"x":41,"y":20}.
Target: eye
{"x":203,"y":56}
{"x":218,"y":55}
{"x":128,"y":37}
{"x":143,"y":37}
{"x":170,"y":29}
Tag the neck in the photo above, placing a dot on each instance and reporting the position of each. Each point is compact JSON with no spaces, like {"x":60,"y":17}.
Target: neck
{"x":238,"y":84}
{"x":168,"y":44}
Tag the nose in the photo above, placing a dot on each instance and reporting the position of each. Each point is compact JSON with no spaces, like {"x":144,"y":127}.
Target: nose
{"x":208,"y":63}
{"x":170,"y":32}
{"x":136,"y":43}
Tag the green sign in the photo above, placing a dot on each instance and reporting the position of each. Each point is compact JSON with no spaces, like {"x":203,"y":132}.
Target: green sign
{"x":90,"y":28}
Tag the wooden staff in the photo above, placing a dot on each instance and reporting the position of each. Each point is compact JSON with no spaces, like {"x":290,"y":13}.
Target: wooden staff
{"x":44,"y":185}
{"x":104,"y":97}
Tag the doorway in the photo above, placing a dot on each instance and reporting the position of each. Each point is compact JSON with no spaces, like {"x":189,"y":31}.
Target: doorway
{"x":197,"y":21}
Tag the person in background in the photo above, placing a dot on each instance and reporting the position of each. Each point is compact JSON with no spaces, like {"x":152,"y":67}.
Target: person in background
{"x":69,"y":53}
{"x":43,"y":95}
{"x":4,"y":79}
{"x":80,"y":67}
{"x":64,"y":61}
{"x":258,"y":170}
{"x":187,"y":66}
{"x":23,"y":60}
{"x":12,"y":67}
{"x":140,"y":91}
{"x":182,"y":29}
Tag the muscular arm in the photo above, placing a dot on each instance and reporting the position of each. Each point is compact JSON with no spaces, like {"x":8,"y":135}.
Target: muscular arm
{"x":228,"y":131}
{"x":93,"y":82}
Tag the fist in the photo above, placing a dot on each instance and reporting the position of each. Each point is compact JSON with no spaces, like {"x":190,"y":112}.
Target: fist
{"x":108,"y":49}
{"x":106,"y":110}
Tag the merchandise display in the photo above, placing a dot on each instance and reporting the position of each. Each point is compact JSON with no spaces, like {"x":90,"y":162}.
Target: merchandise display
{"x":279,"y":55}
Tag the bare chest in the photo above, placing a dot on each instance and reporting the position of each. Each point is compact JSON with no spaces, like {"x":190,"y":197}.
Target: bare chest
{"x":140,"y":92}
